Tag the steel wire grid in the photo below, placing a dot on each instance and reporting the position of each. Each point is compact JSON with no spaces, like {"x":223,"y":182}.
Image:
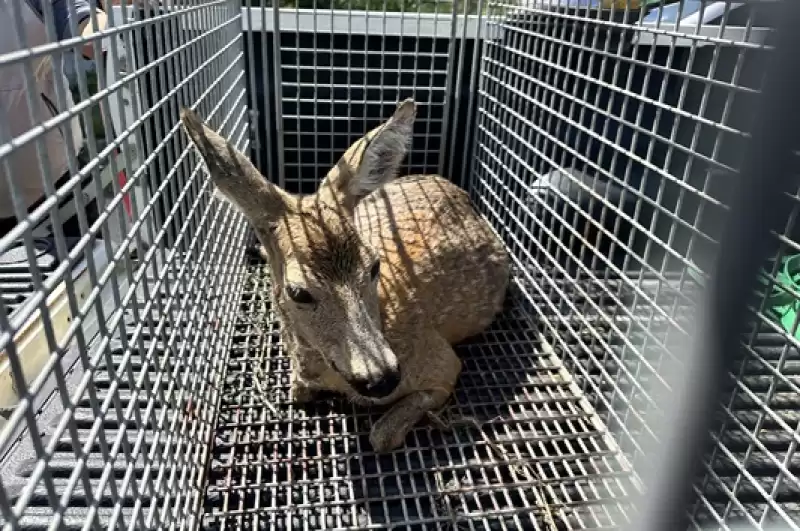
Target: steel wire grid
{"x":113,"y":324}
{"x":525,"y":451}
{"x":337,"y":68}
{"x":172,"y":398}
{"x":606,"y":143}
{"x":550,"y":406}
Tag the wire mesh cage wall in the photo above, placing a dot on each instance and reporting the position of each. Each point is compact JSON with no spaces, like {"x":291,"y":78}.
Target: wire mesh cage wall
{"x":607,"y":145}
{"x":333,"y":71}
{"x":145,"y":383}
{"x":116,"y":283}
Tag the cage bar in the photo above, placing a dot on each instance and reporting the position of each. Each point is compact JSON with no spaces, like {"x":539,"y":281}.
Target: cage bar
{"x":144,"y":382}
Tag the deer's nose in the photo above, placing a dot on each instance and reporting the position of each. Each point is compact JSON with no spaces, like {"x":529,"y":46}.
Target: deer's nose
{"x":379,"y":388}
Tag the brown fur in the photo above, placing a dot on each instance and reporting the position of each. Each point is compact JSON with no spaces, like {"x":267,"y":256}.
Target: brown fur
{"x":443,"y":272}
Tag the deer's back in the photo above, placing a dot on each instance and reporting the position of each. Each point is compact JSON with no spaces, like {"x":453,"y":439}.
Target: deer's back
{"x":440,"y":261}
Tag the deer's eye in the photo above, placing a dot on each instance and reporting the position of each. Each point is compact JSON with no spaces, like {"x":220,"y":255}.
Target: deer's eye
{"x":376,"y":269}
{"x":299,"y":295}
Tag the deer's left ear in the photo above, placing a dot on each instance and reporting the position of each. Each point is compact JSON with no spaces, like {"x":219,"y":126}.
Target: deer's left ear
{"x":372,"y":161}
{"x":234,"y":175}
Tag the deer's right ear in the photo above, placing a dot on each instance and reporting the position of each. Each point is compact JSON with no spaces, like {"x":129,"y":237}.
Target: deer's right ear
{"x":371,"y":161}
{"x":234,"y":175}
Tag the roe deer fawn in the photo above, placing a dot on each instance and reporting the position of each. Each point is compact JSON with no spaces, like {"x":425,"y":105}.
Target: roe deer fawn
{"x":374,"y":277}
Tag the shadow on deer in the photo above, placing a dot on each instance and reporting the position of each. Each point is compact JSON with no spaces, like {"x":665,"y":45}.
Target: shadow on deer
{"x":374,"y":277}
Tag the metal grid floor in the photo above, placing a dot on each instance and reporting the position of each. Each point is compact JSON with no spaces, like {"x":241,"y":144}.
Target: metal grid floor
{"x":747,"y":474}
{"x":525,"y":446}
{"x":522,"y":449}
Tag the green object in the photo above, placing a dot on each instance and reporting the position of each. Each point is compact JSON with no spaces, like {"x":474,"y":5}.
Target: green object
{"x":781,"y":305}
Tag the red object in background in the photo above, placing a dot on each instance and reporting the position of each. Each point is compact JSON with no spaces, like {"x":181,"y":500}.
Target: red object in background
{"x":122,"y":178}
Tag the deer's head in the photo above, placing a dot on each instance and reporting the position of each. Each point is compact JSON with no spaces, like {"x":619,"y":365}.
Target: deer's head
{"x":325,"y":277}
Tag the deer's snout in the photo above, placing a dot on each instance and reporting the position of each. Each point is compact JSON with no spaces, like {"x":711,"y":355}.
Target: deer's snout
{"x":373,"y":375}
{"x":366,"y":360}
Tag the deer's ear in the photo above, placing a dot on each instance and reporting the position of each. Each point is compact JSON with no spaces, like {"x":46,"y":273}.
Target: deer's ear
{"x":372,"y":160}
{"x":234,"y":175}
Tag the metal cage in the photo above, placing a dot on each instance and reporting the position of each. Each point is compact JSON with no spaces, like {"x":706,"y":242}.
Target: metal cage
{"x":143,"y":382}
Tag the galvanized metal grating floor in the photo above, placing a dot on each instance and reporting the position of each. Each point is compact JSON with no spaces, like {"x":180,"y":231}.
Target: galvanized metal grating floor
{"x":538,"y":457}
{"x":542,"y":455}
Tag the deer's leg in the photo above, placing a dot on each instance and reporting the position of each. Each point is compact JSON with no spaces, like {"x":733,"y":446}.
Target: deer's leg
{"x":434,"y":375}
{"x":392,"y":428}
